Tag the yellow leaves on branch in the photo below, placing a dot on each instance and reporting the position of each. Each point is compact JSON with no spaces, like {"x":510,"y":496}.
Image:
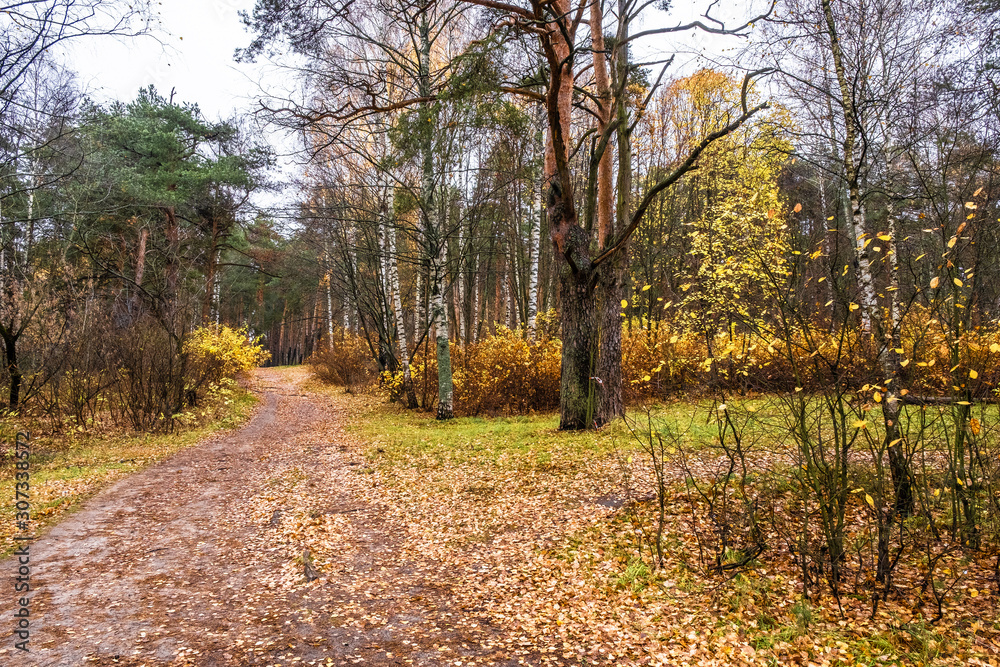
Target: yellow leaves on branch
{"x":222,"y":352}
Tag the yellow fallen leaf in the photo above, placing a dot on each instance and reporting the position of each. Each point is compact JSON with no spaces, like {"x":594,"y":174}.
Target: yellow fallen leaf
{"x":935,"y":281}
{"x":973,"y":375}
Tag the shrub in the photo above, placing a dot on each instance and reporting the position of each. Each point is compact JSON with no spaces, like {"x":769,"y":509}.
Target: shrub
{"x":345,"y":360}
{"x":507,"y":374}
{"x":658,"y":360}
{"x":218,"y":352}
{"x":502,"y":374}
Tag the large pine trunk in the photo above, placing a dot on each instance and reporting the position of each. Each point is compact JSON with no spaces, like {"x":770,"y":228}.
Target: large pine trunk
{"x":579,"y":338}
{"x":611,"y":402}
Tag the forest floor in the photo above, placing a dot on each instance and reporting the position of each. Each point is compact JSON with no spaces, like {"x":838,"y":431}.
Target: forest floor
{"x":495,"y":542}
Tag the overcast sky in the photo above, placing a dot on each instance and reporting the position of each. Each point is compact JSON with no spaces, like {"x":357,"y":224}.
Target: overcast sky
{"x":192,"y":53}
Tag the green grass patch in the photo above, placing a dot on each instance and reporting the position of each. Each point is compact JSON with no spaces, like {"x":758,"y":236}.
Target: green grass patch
{"x":399,"y":437}
{"x":68,"y":468}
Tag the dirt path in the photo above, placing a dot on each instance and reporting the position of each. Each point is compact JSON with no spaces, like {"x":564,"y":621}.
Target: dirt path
{"x":189,"y":562}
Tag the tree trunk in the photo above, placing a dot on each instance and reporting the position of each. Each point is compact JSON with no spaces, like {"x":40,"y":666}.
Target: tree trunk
{"x":172,"y":233}
{"x":206,"y":304}
{"x":439,"y":314}
{"x":328,"y":279}
{"x":397,"y":303}
{"x":13,"y":370}
{"x":437,"y":243}
{"x":611,"y":401}
{"x":579,"y":339}
{"x":887,"y":337}
{"x":140,"y":267}
{"x":899,"y":464}
{"x":534,"y":231}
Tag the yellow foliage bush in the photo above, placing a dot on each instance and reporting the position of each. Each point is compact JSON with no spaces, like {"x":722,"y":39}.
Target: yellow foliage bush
{"x":502,"y":374}
{"x":507,"y":374}
{"x":344,"y":360}
{"x":218,"y":352}
{"x":658,"y":360}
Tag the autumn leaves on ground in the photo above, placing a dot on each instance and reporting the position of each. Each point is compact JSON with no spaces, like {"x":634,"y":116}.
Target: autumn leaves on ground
{"x":337,"y":529}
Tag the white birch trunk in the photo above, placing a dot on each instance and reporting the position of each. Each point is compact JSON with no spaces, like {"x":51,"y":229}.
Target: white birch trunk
{"x":397,"y":300}
{"x":328,"y":277}
{"x":535,"y":226}
{"x":434,"y":231}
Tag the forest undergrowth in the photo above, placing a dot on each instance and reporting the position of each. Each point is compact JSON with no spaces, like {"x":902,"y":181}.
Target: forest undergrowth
{"x":647,"y":543}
